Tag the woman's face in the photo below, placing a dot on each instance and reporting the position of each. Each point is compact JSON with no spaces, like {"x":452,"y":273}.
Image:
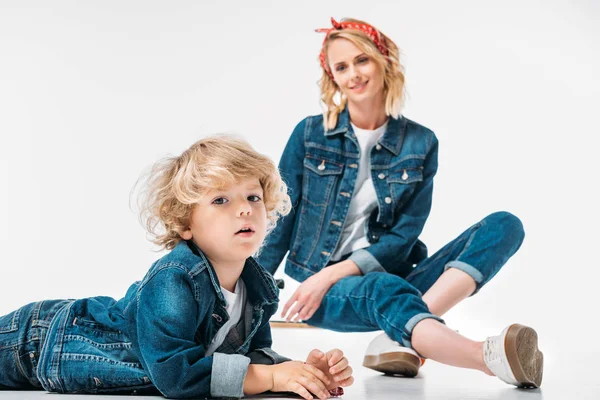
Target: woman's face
{"x":357,"y":75}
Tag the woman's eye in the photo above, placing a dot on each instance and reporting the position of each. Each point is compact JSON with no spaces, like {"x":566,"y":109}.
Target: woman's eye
{"x":254,"y":198}
{"x":340,"y":68}
{"x":363,"y":60}
{"x":220,"y":200}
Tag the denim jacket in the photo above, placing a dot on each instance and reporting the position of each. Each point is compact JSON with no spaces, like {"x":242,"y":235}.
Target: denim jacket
{"x":156,"y":336}
{"x":320,"y":168}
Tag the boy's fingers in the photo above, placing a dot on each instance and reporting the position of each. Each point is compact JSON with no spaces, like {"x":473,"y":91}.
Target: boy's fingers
{"x":301,"y":390}
{"x":318,"y":373}
{"x":346,"y":382}
{"x":314,"y":356}
{"x":345,"y":374}
{"x":334,"y":356}
{"x":314,"y":385}
{"x":339,"y":366}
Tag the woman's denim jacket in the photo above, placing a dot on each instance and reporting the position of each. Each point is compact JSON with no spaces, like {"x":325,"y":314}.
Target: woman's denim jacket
{"x":157,"y":334}
{"x":320,"y":168}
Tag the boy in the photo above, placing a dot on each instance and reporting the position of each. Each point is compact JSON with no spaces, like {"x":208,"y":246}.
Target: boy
{"x":197,"y":325}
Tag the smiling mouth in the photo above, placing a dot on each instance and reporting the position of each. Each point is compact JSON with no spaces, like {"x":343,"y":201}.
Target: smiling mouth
{"x":359,"y":86}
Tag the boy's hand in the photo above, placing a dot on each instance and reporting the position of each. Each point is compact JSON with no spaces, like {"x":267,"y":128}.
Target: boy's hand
{"x":301,"y":378}
{"x":334,"y":365}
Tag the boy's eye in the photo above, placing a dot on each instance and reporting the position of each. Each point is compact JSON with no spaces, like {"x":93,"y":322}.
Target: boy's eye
{"x":220,"y":200}
{"x":254,"y":198}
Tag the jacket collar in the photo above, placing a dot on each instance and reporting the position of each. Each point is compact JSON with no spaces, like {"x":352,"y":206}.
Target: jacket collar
{"x":260,"y":285}
{"x":392,"y":138}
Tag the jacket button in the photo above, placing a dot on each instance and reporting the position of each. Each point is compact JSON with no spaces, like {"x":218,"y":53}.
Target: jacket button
{"x":388,"y":200}
{"x":378,"y":147}
{"x":375,"y":237}
{"x":381,"y":176}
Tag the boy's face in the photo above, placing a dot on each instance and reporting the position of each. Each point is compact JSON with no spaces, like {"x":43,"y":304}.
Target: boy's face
{"x":229,"y":224}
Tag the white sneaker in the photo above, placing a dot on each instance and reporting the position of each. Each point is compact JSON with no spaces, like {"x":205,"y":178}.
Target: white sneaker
{"x":388,"y":356}
{"x":514,"y":357}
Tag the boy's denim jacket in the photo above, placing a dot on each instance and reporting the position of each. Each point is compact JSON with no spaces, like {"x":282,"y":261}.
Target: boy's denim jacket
{"x":320,"y":168}
{"x":157,"y":334}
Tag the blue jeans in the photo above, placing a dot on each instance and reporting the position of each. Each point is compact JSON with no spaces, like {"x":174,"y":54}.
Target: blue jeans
{"x":22,"y":336}
{"x":384,"y":301}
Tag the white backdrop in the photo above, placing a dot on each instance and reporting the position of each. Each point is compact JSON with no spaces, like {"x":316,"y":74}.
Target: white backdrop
{"x":92,"y":93}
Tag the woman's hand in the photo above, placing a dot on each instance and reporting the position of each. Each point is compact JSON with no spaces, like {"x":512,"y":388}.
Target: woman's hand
{"x":308,"y":296}
{"x":310,"y":293}
{"x":301,"y":378}
{"x":334,"y":365}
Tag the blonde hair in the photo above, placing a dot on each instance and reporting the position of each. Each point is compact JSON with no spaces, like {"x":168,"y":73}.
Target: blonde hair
{"x":393,"y":72}
{"x":175,"y":184}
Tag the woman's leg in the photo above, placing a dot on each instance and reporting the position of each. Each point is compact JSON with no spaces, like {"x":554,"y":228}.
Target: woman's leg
{"x":387,"y":302}
{"x":377,"y":301}
{"x":467,"y":263}
{"x":513,"y":355}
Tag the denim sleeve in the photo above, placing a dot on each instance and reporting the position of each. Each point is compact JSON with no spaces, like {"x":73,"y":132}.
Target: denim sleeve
{"x":398,"y":242}
{"x":228,"y":375}
{"x":291,"y":167}
{"x":366,"y":262}
{"x":167,"y":317}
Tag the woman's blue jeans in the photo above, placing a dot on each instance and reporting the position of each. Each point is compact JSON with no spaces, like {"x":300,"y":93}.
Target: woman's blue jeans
{"x":383,"y":301}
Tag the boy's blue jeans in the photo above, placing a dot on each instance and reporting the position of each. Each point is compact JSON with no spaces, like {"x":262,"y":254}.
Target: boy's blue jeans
{"x":384,"y":301}
{"x":22,"y":335}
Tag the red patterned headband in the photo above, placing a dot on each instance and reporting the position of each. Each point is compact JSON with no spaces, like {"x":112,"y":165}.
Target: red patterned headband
{"x":371,"y":32}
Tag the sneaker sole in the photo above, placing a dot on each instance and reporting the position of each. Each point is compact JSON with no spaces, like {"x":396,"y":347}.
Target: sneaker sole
{"x":524,"y":357}
{"x":396,"y":363}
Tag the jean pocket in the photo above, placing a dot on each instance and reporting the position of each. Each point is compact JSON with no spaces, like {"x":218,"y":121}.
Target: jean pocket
{"x":10,"y":322}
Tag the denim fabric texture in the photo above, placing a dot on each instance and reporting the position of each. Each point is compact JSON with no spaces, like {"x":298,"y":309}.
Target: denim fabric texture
{"x":320,"y":168}
{"x":151,"y":341}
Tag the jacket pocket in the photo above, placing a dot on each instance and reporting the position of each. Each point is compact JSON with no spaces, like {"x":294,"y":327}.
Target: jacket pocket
{"x":402,"y":182}
{"x":320,"y":176}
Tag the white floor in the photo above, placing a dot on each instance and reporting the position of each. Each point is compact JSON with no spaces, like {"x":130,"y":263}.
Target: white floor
{"x":568,"y":374}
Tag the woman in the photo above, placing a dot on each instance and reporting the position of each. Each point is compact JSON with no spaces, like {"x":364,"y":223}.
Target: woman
{"x":361,"y":179}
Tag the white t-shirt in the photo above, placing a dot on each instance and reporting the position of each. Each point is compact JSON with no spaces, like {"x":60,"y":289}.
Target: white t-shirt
{"x":235,"y":307}
{"x":364,"y":201}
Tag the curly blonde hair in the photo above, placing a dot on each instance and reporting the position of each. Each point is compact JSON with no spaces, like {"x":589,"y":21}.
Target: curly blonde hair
{"x":393,"y":84}
{"x":175,"y":184}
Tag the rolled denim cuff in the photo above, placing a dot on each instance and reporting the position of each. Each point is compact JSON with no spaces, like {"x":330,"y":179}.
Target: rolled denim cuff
{"x":228,"y":374}
{"x":366,"y":262}
{"x":469,"y":270}
{"x":266,"y":356}
{"x":410,"y":325}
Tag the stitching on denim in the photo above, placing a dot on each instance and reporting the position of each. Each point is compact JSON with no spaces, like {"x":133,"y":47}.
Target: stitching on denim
{"x":471,"y":236}
{"x":117,"y":345}
{"x":91,"y":357}
{"x":314,"y":145}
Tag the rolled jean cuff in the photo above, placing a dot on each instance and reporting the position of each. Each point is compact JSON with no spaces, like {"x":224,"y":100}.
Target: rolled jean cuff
{"x":410,"y":325}
{"x":366,"y":262}
{"x":228,"y":374}
{"x":469,"y":270}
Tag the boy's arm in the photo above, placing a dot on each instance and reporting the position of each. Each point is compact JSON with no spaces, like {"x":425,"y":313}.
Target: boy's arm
{"x":260,"y":351}
{"x":166,"y":321}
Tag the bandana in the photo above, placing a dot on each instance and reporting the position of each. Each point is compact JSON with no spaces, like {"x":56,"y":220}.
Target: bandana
{"x":371,"y":32}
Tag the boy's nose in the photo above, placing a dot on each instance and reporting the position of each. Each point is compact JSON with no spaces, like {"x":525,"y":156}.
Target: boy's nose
{"x":244,"y":209}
